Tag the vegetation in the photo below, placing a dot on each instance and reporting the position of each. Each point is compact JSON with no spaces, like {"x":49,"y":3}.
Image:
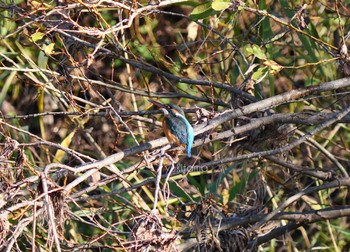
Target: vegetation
{"x":84,"y":165}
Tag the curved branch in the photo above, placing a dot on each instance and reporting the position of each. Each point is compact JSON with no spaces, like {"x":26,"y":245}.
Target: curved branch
{"x":225,"y":116}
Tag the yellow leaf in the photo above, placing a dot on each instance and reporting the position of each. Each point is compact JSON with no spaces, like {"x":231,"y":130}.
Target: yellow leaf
{"x":220,"y":5}
{"x":37,"y":36}
{"x":49,"y":48}
{"x":313,"y":203}
{"x":65,"y":143}
{"x":273,"y":65}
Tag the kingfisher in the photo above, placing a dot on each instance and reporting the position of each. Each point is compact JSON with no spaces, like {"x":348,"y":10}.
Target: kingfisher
{"x":176,"y":127}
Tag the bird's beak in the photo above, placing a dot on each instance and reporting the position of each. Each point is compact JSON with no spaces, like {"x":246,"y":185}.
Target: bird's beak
{"x":158,"y":104}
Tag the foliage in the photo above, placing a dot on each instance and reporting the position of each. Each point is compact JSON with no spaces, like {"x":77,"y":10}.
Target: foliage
{"x":83,"y":162}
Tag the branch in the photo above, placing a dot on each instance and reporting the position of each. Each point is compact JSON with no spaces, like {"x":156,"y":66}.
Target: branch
{"x":287,"y":147}
{"x":301,"y":219}
{"x":296,"y":219}
{"x":337,"y":183}
{"x":225,"y":116}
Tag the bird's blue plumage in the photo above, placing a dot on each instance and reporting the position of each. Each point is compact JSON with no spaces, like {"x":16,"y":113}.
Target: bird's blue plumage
{"x":176,"y":127}
{"x":182,"y":129}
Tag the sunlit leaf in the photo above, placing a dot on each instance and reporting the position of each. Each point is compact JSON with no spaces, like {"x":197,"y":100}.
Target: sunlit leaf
{"x":65,"y":143}
{"x":37,"y":36}
{"x":220,"y":5}
{"x":192,"y":31}
{"x":256,"y":51}
{"x":202,"y":11}
{"x":260,"y":74}
{"x":49,"y":48}
{"x":274,"y":66}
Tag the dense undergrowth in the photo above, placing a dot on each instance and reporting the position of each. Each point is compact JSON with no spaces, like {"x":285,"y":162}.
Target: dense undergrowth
{"x":84,"y":165}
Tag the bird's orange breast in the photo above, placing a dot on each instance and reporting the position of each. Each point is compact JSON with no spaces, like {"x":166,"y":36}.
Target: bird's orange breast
{"x":171,"y":137}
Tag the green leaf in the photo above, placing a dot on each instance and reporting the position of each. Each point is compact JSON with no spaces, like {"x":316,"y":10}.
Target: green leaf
{"x":193,"y":181}
{"x":6,"y":86}
{"x":256,"y":51}
{"x":214,"y":186}
{"x":238,"y":186}
{"x":42,"y":60}
{"x":234,"y":74}
{"x":265,"y":30}
{"x":313,"y":31}
{"x":7,"y":25}
{"x":179,"y":192}
{"x":260,"y":73}
{"x":287,"y":9}
{"x":202,"y":11}
{"x":49,"y":48}
{"x":37,"y":36}
{"x":144,"y":50}
{"x":220,"y":5}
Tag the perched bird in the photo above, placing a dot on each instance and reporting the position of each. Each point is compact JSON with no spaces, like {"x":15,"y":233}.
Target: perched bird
{"x":176,"y":127}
